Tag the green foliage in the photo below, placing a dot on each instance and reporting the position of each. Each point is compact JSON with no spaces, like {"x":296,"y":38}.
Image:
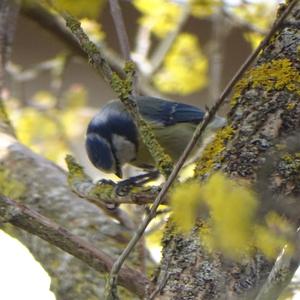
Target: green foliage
{"x":254,"y":38}
{"x":79,"y":8}
{"x":40,"y":132}
{"x":160,"y":16}
{"x":203,"y":8}
{"x":45,"y":128}
{"x":184,"y":69}
{"x":230,"y":225}
{"x":93,"y":30}
{"x":75,"y":97}
{"x":259,"y":14}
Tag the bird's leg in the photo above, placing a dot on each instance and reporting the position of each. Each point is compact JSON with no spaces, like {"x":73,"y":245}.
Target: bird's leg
{"x":123,"y":187}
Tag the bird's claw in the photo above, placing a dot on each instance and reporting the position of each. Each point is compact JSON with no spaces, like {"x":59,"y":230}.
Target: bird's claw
{"x":106,"y":181}
{"x":123,"y":187}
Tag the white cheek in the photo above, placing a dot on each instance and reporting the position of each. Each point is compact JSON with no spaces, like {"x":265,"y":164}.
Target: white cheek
{"x":125,"y":150}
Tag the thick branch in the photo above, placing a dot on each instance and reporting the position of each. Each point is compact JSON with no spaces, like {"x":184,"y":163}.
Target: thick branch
{"x":34,"y":223}
{"x":103,"y":193}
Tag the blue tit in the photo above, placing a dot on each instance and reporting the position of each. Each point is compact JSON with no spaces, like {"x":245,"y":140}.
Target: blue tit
{"x":112,"y":138}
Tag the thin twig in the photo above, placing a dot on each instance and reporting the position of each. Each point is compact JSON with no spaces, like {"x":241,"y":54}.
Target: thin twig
{"x":120,"y":28}
{"x":160,"y":287}
{"x":197,"y":134}
{"x":163,"y":48}
{"x":117,"y":16}
{"x":35,"y":223}
{"x":143,"y":41}
{"x":219,"y":33}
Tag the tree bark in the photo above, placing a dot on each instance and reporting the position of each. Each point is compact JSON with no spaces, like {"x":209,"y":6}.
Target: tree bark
{"x":265,"y":113}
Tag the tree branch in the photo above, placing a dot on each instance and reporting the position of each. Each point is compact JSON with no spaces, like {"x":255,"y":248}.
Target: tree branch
{"x":103,"y":194}
{"x":29,"y":220}
{"x":122,"y":37}
{"x":120,"y":28}
{"x":9,"y":10}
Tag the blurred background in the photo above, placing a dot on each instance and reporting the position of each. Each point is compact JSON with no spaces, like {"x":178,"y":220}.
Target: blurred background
{"x":184,"y":50}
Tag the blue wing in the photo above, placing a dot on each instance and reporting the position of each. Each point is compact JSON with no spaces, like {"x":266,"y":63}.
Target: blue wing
{"x":168,"y":112}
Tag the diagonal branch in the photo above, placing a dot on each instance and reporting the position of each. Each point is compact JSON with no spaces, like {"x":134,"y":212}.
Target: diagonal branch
{"x":34,"y":223}
{"x":122,"y":36}
{"x":197,"y":134}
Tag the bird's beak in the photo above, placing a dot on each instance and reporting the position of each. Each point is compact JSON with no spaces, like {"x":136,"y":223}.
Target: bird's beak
{"x":119,"y":172}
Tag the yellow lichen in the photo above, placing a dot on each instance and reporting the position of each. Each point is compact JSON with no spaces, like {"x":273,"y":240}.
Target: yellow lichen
{"x":4,"y":119}
{"x":75,"y":170}
{"x":185,"y":67}
{"x":277,"y":75}
{"x":290,"y":105}
{"x":211,"y":153}
{"x":103,"y":191}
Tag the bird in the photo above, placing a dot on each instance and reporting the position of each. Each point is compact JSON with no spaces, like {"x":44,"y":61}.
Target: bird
{"x":113,"y":140}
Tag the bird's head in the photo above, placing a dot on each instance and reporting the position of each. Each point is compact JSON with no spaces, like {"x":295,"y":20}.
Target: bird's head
{"x":111,"y":140}
{"x":102,"y":154}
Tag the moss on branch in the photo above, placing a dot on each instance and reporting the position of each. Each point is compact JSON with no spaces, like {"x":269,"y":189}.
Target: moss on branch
{"x":212,"y":153}
{"x":123,"y":88}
